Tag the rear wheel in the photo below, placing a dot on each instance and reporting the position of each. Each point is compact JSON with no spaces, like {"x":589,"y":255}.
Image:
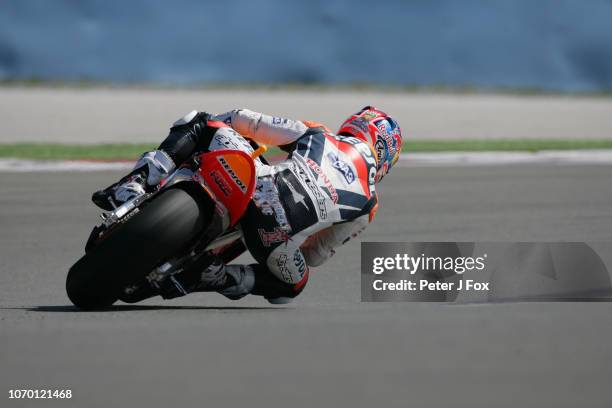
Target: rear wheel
{"x":158,"y":231}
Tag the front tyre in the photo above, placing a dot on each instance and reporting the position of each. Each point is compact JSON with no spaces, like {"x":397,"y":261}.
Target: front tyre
{"x":158,"y":231}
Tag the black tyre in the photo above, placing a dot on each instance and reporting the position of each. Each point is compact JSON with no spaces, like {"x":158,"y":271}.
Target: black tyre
{"x":158,"y":231}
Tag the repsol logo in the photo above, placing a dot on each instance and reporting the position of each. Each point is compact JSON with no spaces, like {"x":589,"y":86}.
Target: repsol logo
{"x":228,"y":169}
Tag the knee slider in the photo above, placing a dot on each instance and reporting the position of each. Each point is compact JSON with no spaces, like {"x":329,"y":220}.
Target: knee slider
{"x":270,"y":287}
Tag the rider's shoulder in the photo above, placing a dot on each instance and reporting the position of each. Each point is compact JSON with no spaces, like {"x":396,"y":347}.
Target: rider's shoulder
{"x":217,"y":124}
{"x":314,"y":131}
{"x":311,"y":125}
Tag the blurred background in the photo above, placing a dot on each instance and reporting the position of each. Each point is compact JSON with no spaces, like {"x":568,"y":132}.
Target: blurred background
{"x":554,"y":45}
{"x":469,"y":70}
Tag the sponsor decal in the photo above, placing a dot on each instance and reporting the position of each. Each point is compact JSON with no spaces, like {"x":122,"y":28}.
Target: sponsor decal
{"x":369,"y":115}
{"x":277,"y":236}
{"x":361,"y":147}
{"x":281,"y":263}
{"x":342,"y":167}
{"x":267,"y":200}
{"x":320,"y":199}
{"x":367,"y":154}
{"x":390,"y":138}
{"x":330,"y":187}
{"x":220,"y":182}
{"x":298,"y":261}
{"x":361,"y":123}
{"x":380,"y":150}
{"x":228,"y":169}
{"x":223,"y":140}
{"x":395,"y":140}
{"x":277,"y":121}
{"x":226,"y":138}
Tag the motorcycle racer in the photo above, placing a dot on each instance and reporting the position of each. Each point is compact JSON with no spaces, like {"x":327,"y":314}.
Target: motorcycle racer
{"x":303,"y":208}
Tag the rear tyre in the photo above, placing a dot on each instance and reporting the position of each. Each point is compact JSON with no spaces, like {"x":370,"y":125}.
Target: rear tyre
{"x":158,"y":231}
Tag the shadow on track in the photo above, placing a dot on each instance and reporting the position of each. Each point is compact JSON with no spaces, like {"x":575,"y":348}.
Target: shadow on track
{"x":132,"y":308}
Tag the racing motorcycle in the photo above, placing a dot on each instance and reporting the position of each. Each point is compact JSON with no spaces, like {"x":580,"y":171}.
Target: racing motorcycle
{"x":186,"y":223}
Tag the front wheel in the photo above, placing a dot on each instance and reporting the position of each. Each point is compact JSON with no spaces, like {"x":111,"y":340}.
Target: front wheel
{"x":158,"y":231}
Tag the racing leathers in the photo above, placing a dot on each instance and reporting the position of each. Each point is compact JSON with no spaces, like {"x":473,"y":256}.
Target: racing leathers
{"x":304,"y":207}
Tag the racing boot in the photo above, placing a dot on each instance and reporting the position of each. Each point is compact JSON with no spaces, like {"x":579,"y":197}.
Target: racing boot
{"x":232,"y":281}
{"x":148,"y":172}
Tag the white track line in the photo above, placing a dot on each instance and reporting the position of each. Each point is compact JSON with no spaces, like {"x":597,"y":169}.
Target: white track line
{"x":560,"y":157}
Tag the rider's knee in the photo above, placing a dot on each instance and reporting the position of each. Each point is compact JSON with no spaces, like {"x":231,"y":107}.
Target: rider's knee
{"x":291,"y":292}
{"x":270,"y":287}
{"x":299,"y":287}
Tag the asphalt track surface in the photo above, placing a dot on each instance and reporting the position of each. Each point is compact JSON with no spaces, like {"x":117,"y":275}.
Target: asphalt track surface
{"x":327,"y":348}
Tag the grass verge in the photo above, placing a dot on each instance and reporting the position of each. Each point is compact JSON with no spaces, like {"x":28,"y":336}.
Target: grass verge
{"x":54,"y":151}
